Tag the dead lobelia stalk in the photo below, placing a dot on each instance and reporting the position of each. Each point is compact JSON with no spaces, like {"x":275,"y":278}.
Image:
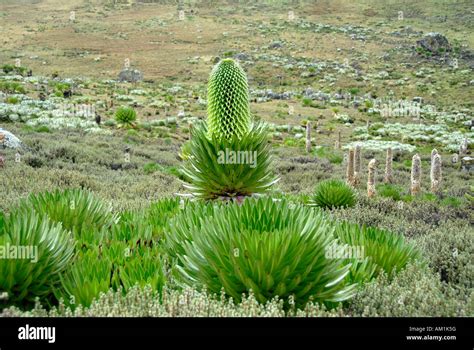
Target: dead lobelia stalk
{"x":435,"y":173}
{"x":463,"y":147}
{"x":357,"y":162}
{"x":388,"y":177}
{"x":308,"y":137}
{"x":415,"y":187}
{"x":350,"y":167}
{"x":434,"y":151}
{"x":371,"y":178}
{"x":338,"y":141}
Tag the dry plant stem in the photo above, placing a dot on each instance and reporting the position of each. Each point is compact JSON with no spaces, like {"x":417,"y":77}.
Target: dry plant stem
{"x":338,"y":141}
{"x":308,"y":137}
{"x":435,"y":174}
{"x":350,"y":167}
{"x":388,"y":177}
{"x":357,"y":165}
{"x":433,"y":153}
{"x":415,"y":175}
{"x":371,"y":178}
{"x":463,"y":147}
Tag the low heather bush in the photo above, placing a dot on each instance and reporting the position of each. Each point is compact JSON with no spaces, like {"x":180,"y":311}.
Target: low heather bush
{"x":450,"y":251}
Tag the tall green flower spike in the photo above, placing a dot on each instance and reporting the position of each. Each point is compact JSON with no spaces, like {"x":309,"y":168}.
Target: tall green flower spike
{"x":228,"y":127}
{"x":228,"y":112}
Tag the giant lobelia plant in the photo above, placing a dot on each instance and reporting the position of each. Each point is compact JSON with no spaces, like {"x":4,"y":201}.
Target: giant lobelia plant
{"x":33,"y":252}
{"x":270,"y":248}
{"x":229,"y":156}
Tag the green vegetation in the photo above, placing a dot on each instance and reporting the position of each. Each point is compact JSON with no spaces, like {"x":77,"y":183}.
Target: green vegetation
{"x":228,"y":111}
{"x":14,"y":69}
{"x":164,"y":201}
{"x":390,"y":191}
{"x":87,"y":277}
{"x":333,"y":194}
{"x":76,"y":210}
{"x":125,"y":115}
{"x":260,"y":245}
{"x":228,"y":168}
{"x":12,"y":87}
{"x":41,"y":249}
{"x":386,"y":250}
{"x":228,"y":157}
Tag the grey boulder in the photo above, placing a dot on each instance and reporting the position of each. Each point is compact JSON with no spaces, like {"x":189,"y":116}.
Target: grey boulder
{"x":435,"y":43}
{"x":130,"y":75}
{"x":8,"y":140}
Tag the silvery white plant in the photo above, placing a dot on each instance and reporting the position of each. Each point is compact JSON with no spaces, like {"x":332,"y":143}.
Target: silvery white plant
{"x":438,"y":133}
{"x":139,"y":92}
{"x":378,"y":145}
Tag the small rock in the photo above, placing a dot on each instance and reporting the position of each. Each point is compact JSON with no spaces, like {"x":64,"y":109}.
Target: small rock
{"x":241,"y":56}
{"x":467,"y":164}
{"x":115,"y":166}
{"x":130,"y":75}
{"x":7,"y":139}
{"x":308,"y":91}
{"x":276,"y":45}
{"x":435,"y":43}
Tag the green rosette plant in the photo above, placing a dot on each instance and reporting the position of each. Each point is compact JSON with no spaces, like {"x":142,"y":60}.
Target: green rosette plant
{"x":79,"y":211}
{"x":333,"y":194}
{"x":34,"y":250}
{"x":125,"y":115}
{"x":386,"y":251}
{"x":270,"y":248}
